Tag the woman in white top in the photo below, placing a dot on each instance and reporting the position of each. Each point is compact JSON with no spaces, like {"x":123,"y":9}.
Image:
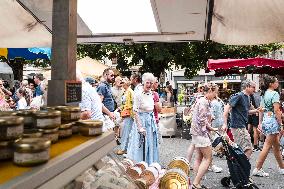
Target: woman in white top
{"x":22,"y":103}
{"x":143,"y":142}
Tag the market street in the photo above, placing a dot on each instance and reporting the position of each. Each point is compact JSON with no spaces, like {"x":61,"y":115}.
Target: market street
{"x":172,"y":147}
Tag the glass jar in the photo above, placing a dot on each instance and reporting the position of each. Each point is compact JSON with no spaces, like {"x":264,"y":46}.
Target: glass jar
{"x":31,"y":151}
{"x":29,"y":120}
{"x":69,"y":113}
{"x":90,"y":127}
{"x":32,"y":133}
{"x":65,"y":130}
{"x":11,"y":127}
{"x":50,"y":134}
{"x":6,"y":150}
{"x":47,"y":119}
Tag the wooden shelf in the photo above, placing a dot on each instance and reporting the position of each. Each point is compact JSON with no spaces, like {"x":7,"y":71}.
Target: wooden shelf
{"x":63,"y":168}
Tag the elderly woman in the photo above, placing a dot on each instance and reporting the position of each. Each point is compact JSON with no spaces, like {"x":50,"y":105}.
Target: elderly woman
{"x":143,"y":145}
{"x":126,"y":114}
{"x":200,"y":130}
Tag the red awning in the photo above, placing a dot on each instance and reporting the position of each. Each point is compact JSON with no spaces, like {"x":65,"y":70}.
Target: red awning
{"x":242,"y":63}
{"x":250,"y":65}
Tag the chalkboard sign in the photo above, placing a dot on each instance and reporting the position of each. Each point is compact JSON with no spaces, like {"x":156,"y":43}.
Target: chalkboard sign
{"x":73,"y":92}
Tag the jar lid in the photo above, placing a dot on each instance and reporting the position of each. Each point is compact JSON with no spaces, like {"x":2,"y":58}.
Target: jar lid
{"x":32,"y":133}
{"x":32,"y":144}
{"x":68,"y":108}
{"x":47,"y":113}
{"x":8,"y":113}
{"x":89,"y":123}
{"x":25,"y":112}
{"x":66,"y":126}
{"x":5,"y":144}
{"x":47,"y":131}
{"x":11,"y":120}
{"x":45,"y":108}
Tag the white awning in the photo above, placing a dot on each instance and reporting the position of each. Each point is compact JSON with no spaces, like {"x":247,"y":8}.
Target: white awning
{"x":28,"y":23}
{"x":5,"y":68}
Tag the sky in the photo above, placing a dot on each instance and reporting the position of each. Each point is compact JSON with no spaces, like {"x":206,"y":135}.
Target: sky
{"x":117,"y":16}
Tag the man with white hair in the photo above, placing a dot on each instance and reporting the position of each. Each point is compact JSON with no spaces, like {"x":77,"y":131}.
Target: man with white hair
{"x":240,"y":107}
{"x":91,"y":104}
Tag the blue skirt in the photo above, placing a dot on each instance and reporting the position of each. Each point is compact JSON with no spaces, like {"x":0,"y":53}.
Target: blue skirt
{"x":270,"y":124}
{"x":126,"y":129}
{"x":142,"y":148}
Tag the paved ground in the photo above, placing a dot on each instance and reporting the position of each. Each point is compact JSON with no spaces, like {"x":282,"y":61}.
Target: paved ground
{"x":172,"y":147}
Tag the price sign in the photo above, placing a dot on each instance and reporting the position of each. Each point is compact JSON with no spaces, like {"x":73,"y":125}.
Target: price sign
{"x":73,"y":92}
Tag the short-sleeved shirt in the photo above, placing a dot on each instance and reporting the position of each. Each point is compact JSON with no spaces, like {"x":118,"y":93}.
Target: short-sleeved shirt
{"x":38,"y":91}
{"x":104,"y":89}
{"x":91,"y":101}
{"x":240,"y":104}
{"x":143,"y":102}
{"x":269,"y":98}
{"x":217,"y":107}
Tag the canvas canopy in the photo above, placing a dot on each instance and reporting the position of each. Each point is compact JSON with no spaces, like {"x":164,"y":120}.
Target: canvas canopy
{"x":250,"y":65}
{"x":90,"y":67}
{"x":28,"y":23}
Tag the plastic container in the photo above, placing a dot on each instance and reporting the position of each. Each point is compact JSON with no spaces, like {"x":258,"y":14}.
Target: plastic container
{"x":31,"y":151}
{"x":11,"y":127}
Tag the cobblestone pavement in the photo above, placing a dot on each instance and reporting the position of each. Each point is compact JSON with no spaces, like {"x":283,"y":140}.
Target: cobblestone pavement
{"x":172,"y":147}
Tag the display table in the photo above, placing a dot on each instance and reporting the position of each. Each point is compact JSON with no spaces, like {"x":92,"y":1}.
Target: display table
{"x":69,"y":158}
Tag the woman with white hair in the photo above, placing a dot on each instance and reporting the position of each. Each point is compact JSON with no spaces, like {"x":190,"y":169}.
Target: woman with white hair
{"x":143,"y":144}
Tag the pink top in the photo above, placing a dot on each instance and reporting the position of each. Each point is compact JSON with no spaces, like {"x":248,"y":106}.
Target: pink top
{"x":201,"y":118}
{"x":156,"y":99}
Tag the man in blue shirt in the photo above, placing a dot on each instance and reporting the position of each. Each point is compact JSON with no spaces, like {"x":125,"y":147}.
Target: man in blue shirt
{"x":104,"y":90}
{"x":240,"y":107}
{"x":39,"y":90}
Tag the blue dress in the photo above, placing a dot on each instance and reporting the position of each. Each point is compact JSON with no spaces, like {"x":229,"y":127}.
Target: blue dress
{"x":140,"y":148}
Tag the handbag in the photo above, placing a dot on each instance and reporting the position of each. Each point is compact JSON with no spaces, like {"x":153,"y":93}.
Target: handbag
{"x":125,"y":113}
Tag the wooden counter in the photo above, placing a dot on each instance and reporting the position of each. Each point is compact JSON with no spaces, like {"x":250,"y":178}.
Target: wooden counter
{"x":69,"y":158}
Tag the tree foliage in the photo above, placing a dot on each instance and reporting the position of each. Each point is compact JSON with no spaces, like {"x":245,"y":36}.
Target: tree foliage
{"x":157,"y":57}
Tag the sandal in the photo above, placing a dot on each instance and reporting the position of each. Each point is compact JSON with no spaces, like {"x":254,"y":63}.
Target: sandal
{"x":197,"y":187}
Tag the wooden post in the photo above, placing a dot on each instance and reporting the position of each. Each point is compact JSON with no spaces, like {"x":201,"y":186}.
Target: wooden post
{"x":64,"y":47}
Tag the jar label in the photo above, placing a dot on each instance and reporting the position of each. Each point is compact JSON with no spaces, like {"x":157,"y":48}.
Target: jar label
{"x":31,"y":157}
{"x":47,"y":122}
{"x":74,"y":116}
{"x":95,"y":131}
{"x":15,"y":131}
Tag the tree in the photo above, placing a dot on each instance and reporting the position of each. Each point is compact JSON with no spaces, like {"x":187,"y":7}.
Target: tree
{"x":157,"y":57}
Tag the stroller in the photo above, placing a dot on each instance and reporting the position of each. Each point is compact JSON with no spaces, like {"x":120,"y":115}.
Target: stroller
{"x":238,"y":164}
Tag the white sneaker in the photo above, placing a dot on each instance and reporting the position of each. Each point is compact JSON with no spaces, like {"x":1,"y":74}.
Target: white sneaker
{"x":281,"y":171}
{"x":215,"y":169}
{"x":259,"y":173}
